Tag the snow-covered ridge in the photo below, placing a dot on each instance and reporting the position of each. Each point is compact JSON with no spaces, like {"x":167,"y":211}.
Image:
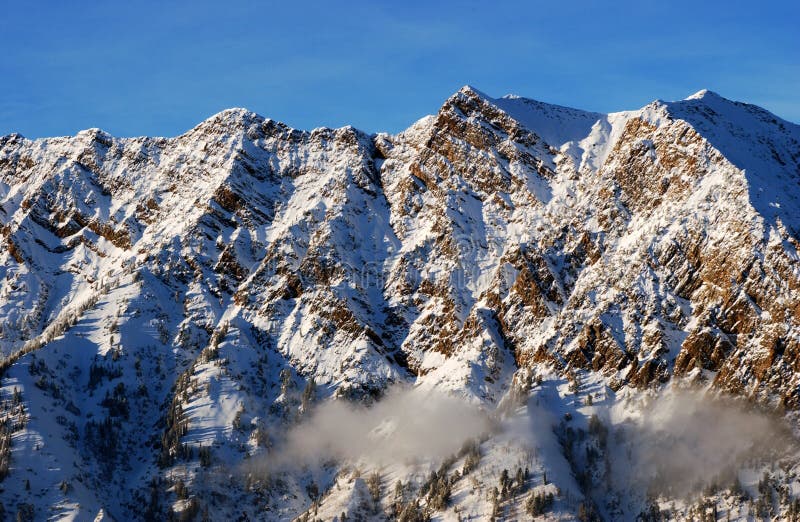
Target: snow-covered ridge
{"x":170,"y":307}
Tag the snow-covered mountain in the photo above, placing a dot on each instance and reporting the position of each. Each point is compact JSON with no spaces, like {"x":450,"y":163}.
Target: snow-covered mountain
{"x":172,"y":309}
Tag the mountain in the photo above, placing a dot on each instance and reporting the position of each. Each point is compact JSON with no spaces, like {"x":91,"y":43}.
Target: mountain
{"x":172,"y":309}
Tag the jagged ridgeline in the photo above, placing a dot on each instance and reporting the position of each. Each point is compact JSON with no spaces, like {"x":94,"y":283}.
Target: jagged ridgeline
{"x":510,"y":310}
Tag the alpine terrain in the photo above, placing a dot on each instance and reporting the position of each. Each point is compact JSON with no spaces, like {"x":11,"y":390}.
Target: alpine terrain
{"x":510,"y":311}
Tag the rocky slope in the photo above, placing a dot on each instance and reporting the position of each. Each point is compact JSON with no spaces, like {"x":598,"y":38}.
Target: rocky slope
{"x":165,"y":303}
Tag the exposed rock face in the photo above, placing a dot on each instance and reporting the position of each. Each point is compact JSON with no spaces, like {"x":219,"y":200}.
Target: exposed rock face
{"x":633,"y":246}
{"x":495,"y":238}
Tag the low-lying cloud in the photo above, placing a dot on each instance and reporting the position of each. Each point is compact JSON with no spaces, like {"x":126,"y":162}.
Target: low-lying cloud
{"x":675,"y":443}
{"x":686,"y":440}
{"x":406,"y":425}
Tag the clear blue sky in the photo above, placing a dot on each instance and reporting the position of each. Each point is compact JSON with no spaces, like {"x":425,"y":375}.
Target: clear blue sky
{"x":158,"y":68}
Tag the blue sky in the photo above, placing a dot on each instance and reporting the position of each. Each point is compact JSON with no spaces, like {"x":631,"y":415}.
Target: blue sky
{"x":159,"y":68}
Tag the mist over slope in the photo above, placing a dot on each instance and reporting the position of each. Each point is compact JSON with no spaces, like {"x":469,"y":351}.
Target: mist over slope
{"x":488,"y":315}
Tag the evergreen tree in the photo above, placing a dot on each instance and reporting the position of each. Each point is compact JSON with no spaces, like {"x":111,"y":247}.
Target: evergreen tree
{"x":374,"y":486}
{"x":309,"y":394}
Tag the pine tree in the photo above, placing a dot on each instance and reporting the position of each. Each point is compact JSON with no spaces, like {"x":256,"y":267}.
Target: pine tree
{"x":25,"y":513}
{"x":374,"y":486}
{"x":520,"y":480}
{"x":286,"y":380}
{"x":309,"y":394}
{"x":504,"y":483}
{"x":538,"y":503}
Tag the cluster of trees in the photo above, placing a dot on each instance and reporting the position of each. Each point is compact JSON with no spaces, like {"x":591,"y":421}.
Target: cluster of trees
{"x":102,"y":439}
{"x":25,"y":512}
{"x":586,"y":452}
{"x":117,"y":401}
{"x":211,"y":352}
{"x":204,"y":454}
{"x":764,"y":506}
{"x":435,"y":491}
{"x":439,"y":485}
{"x":15,"y":419}
{"x":64,"y":321}
{"x":5,"y":451}
{"x":598,"y":430}
{"x":538,"y":503}
{"x":588,"y":513}
{"x":155,"y":511}
{"x":510,"y":487}
{"x":407,"y":510}
{"x":412,"y":512}
{"x":163,"y":331}
{"x":374,"y":487}
{"x":471,"y":451}
{"x":99,"y":371}
{"x":594,"y":446}
{"x":793,"y":513}
{"x":293,"y":404}
{"x":176,"y":423}
{"x":774,"y":500}
{"x":46,"y":380}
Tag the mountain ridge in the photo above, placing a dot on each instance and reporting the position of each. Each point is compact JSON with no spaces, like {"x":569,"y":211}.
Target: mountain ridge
{"x":178,"y":293}
{"x":244,"y":111}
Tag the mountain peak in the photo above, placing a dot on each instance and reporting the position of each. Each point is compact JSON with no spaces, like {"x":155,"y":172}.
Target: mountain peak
{"x":95,"y":134}
{"x":704,"y":94}
{"x":470,"y":90}
{"x":235,"y":115}
{"x":228,"y":120}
